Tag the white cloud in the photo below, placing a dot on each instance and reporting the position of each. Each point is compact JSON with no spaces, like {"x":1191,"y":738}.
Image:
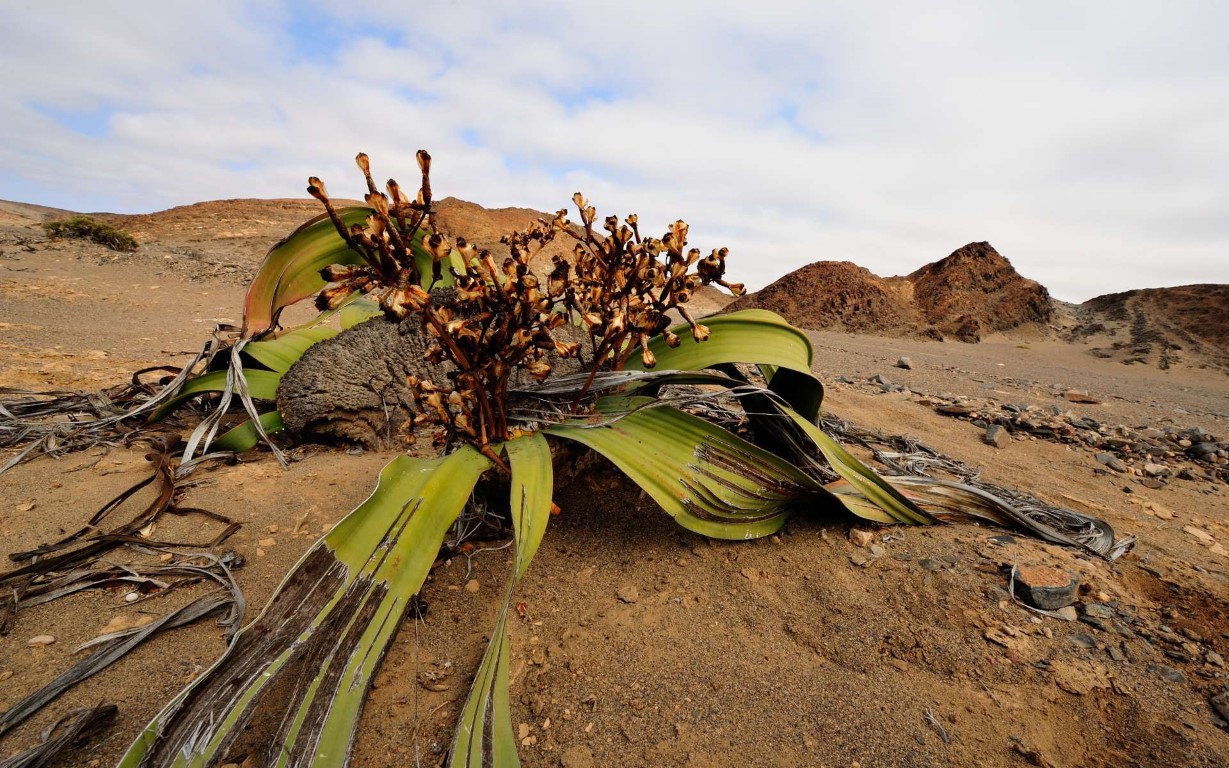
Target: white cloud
{"x":1083,"y":140}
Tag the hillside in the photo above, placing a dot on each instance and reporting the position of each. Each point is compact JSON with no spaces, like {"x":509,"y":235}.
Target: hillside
{"x":972,"y":291}
{"x":1157,"y":326}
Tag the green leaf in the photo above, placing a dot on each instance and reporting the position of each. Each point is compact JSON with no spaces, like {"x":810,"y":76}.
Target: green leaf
{"x":484,"y":732}
{"x":323,"y":633}
{"x":533,"y":486}
{"x":291,"y":269}
{"x":359,"y":311}
{"x":261,"y":384}
{"x":245,"y":437}
{"x":864,"y":480}
{"x":709,"y":480}
{"x":754,"y":336}
{"x":278,"y":354}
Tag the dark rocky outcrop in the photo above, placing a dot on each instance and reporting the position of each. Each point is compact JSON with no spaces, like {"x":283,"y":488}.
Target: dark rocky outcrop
{"x":973,"y":291}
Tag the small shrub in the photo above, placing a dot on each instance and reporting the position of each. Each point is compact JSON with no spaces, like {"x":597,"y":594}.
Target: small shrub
{"x":85,"y":228}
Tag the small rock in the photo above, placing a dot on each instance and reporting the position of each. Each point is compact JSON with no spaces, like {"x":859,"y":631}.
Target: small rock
{"x":472,"y":585}
{"x":1152,"y":482}
{"x":1099,"y":611}
{"x":132,"y":597}
{"x":1068,"y":613}
{"x":269,"y":542}
{"x":272,"y":529}
{"x":1198,"y":533}
{"x":1080,"y":396}
{"x":861,"y":537}
{"x":1220,"y":703}
{"x":997,"y":436}
{"x":956,"y":409}
{"x":880,"y":379}
{"x":1166,"y":672}
{"x":1046,"y":588}
{"x":930,"y":564}
{"x":40,"y":640}
{"x":1003,"y":540}
{"x":1117,"y":655}
{"x":905,"y":363}
{"x":1155,"y":470}
{"x":628,"y":593}
{"x":1083,"y":640}
{"x":165,"y":557}
{"x":1214,"y":658}
{"x":876,"y":550}
{"x":260,"y":552}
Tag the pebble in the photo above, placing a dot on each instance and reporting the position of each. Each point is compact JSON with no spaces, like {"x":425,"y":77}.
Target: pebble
{"x":628,"y":593}
{"x":1083,"y":640}
{"x":1099,"y":611}
{"x":1067,"y":614}
{"x":997,"y":436}
{"x":472,"y":585}
{"x":40,"y":640}
{"x":132,"y":597}
{"x":861,"y":537}
{"x":1214,"y":658}
{"x":1116,"y":654}
{"x":905,"y":363}
{"x":269,"y":542}
{"x":1080,"y":396}
{"x":1166,"y":672}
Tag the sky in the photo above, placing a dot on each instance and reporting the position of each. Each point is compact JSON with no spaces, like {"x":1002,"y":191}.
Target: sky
{"x":1087,"y":141}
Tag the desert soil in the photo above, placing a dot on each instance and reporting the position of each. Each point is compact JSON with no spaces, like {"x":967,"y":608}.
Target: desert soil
{"x":643,"y":644}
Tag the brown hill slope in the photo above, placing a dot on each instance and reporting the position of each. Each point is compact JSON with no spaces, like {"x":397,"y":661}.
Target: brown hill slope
{"x":1158,"y":326}
{"x":973,"y":290}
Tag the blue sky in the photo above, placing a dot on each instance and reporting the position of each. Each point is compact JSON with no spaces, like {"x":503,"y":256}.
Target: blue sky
{"x":1084,"y":140}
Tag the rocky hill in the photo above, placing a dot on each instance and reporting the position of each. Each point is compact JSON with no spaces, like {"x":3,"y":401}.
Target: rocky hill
{"x":1157,"y":326}
{"x":973,"y":291}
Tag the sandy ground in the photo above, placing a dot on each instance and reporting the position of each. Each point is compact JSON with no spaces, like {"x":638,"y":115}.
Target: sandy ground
{"x":643,"y":644}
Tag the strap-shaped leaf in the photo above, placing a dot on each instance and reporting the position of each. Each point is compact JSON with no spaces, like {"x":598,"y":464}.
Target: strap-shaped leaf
{"x":278,"y":354}
{"x":291,"y":269}
{"x":754,"y":336}
{"x":324,"y":631}
{"x":873,"y":487}
{"x":245,"y":436}
{"x":262,"y":385}
{"x":484,"y":732}
{"x":709,"y":480}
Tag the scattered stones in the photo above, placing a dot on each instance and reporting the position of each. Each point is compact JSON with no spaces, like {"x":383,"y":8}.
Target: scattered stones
{"x":996,"y":436}
{"x":1046,"y":588}
{"x":905,"y":363}
{"x":39,"y":641}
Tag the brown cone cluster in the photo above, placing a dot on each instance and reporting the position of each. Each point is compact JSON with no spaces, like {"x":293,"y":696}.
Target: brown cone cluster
{"x":502,"y":317}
